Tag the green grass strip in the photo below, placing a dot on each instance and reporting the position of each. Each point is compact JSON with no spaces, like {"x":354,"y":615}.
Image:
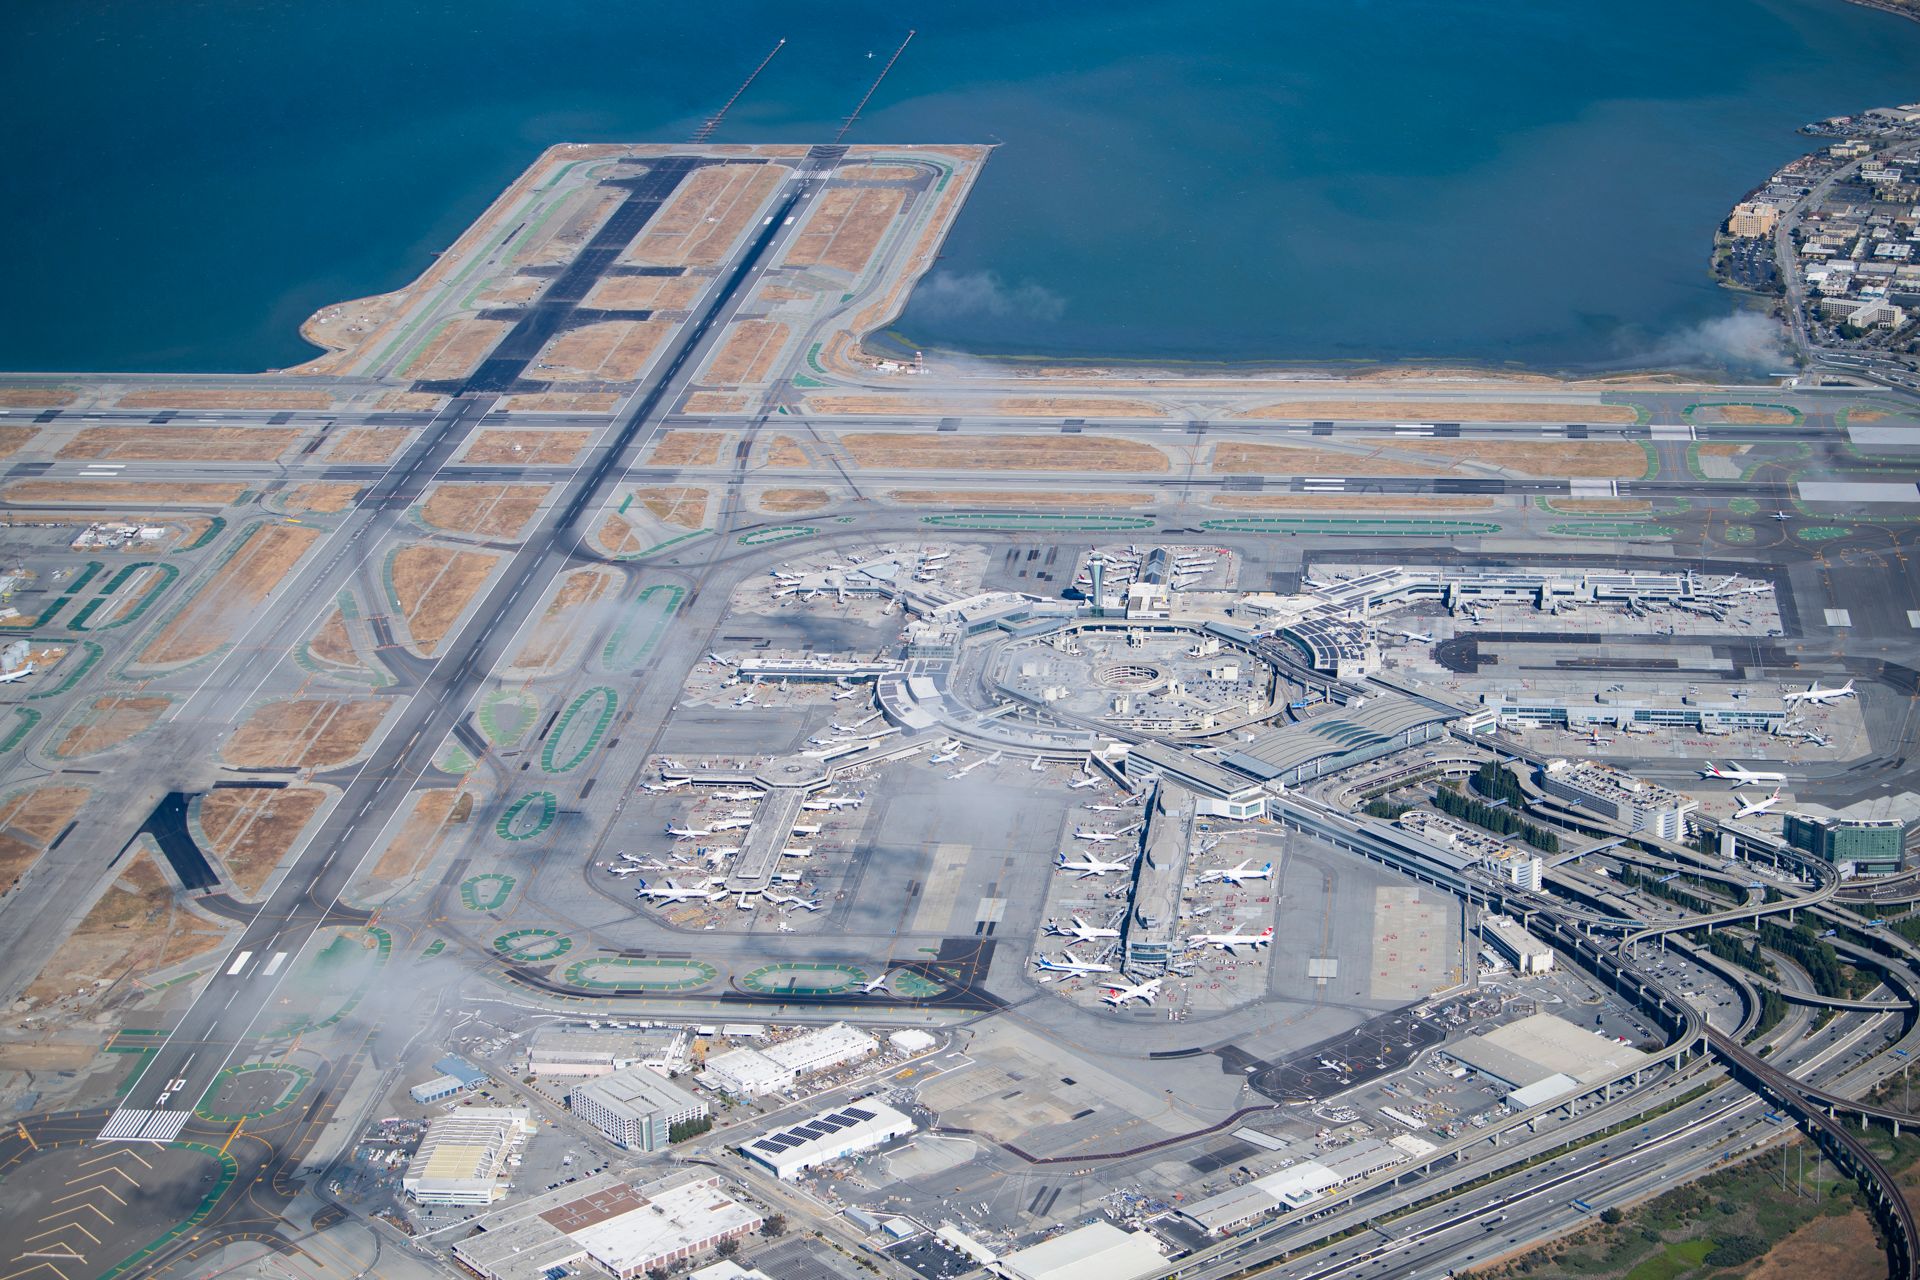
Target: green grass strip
{"x":612,"y":654}
{"x":608,"y":701}
{"x":1013,"y":520}
{"x":92,"y":655}
{"x":549,"y":809}
{"x":498,"y":887}
{"x":29,"y":717}
{"x":1354,"y":526}
{"x":1611,"y":529}
{"x":229,"y":1170}
{"x":208,"y":534}
{"x":778,"y":533}
{"x":658,"y":547}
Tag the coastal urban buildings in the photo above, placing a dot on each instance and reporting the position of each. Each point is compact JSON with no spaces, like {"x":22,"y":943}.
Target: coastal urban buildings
{"x":637,"y":1108}
{"x":463,"y":1158}
{"x":832,"y":1134}
{"x":619,"y":1229}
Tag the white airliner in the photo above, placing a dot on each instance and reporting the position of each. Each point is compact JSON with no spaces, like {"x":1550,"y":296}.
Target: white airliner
{"x":966,"y":769}
{"x":1070,"y":963}
{"x":1419,"y":637}
{"x":1120,"y":994}
{"x":943,"y":757}
{"x":842,"y":697}
{"x":1232,"y":942}
{"x":620,"y":872}
{"x":674,"y":892}
{"x":1080,"y":931}
{"x":744,"y":700}
{"x":668,"y":784}
{"x":725,"y":662}
{"x":730,"y":824}
{"x":1088,"y":866}
{"x":1083,"y":781}
{"x":1096,"y":837}
{"x":842,"y":728}
{"x":1819,"y":697}
{"x":1105,"y":808}
{"x":1783,"y":515}
{"x":1234,"y":875}
{"x":793,"y":900}
{"x":821,"y":804}
{"x":687,"y":833}
{"x":1742,"y":775}
{"x":21,"y":674}
{"x":1750,"y":807}
{"x":872,"y":985}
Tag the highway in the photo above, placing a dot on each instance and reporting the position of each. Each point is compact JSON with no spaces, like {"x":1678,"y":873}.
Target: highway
{"x":213,"y":1029}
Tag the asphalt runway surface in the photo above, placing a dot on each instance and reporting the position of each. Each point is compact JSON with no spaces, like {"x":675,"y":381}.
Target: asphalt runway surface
{"x":218,"y":1023}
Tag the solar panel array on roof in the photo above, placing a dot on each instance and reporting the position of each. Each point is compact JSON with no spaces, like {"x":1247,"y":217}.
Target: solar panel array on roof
{"x":858,"y":1113}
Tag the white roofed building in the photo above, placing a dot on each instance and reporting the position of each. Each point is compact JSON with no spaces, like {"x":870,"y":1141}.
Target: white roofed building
{"x":830,"y":1135}
{"x":463,"y":1156}
{"x":1097,"y":1251}
{"x":621,"y":1230}
{"x":636,"y":1107}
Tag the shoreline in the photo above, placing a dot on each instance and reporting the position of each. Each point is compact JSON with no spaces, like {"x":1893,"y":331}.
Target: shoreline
{"x":1910,"y":13}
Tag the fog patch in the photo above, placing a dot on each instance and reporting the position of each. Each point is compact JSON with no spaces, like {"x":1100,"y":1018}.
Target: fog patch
{"x":984,"y":293}
{"x":1748,"y":341}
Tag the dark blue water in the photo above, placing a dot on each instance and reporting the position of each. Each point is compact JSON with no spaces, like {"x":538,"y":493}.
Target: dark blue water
{"x":1297,"y":179}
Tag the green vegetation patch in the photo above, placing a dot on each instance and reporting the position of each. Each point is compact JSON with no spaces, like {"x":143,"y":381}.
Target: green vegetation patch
{"x":1744,"y":506}
{"x":506,"y":714}
{"x":216,"y":1192}
{"x":352,"y":962}
{"x":168,"y":573}
{"x":247,"y":1079}
{"x":618,"y":973}
{"x":88,"y":574}
{"x":658,"y":547}
{"x":1612,"y":529}
{"x":454,"y":758}
{"x":1691,"y":410}
{"x":90,"y":654}
{"x":594,"y":709}
{"x":212,"y":531}
{"x":1354,"y":526}
{"x":803,"y":978}
{"x":528,"y":945}
{"x":1737,"y":534}
{"x":487,"y":891}
{"x":640,"y":630}
{"x":909,"y":985}
{"x":778,"y":533}
{"x":1018,"y":520}
{"x":528,"y":816}
{"x":29,"y":717}
{"x":1822,"y":532}
{"x":434,"y":948}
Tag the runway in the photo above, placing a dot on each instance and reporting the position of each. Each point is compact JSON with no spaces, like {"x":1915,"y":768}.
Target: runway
{"x":212,"y":1030}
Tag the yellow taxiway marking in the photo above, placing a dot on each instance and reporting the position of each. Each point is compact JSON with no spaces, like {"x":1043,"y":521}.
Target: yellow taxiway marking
{"x":77,"y":1208}
{"x":38,"y":1266}
{"x":231,"y":1137}
{"x":27,"y":1137}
